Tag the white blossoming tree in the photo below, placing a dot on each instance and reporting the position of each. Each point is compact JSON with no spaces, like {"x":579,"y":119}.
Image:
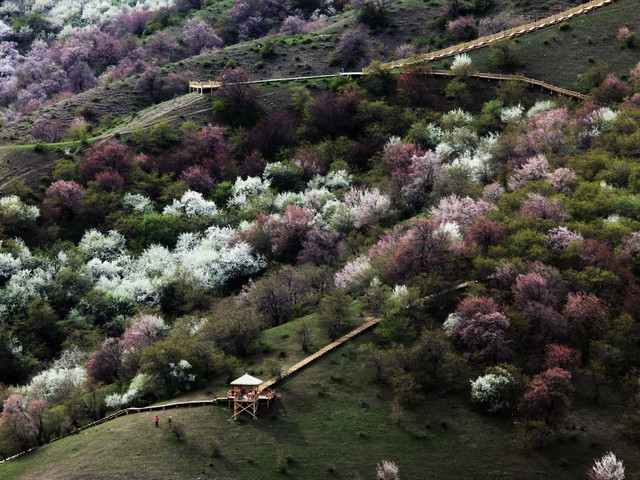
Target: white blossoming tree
{"x":607,"y":468}
{"x":191,"y":204}
{"x":496,"y":390}
{"x":95,"y":244}
{"x":387,"y":470}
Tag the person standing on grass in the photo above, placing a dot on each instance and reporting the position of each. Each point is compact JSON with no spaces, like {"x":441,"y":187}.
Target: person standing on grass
{"x":157,"y":420}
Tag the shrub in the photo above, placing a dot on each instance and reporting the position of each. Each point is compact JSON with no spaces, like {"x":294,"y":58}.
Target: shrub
{"x":375,"y":13}
{"x":177,"y":430}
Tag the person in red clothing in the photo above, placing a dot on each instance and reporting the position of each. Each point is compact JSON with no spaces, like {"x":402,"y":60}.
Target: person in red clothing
{"x":243,"y":390}
{"x":157,"y":420}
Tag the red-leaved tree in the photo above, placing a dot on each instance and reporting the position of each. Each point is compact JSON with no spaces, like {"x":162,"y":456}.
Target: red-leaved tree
{"x":480,"y":329}
{"x":422,"y":248}
{"x":198,"y":179}
{"x":548,"y":394}
{"x":587,"y":317}
{"x":563,"y":357}
{"x":109,"y":180}
{"x":486,"y":233}
{"x":104,"y":364}
{"x":107,"y":155}
{"x":61,"y":198}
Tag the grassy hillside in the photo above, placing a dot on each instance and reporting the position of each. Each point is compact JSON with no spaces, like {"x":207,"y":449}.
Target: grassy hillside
{"x":560,"y":54}
{"x":332,"y":421}
{"x":26,"y":163}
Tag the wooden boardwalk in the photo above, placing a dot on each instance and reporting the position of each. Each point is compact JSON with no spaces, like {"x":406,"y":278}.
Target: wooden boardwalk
{"x":369,"y":322}
{"x":517,"y":78}
{"x":497,"y":37}
{"x":446,"y":73}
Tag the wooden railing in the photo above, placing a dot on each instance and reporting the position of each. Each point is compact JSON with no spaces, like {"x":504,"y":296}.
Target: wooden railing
{"x":497,"y":37}
{"x":370,"y":322}
{"x":518,"y":78}
{"x":447,"y":73}
{"x":120,"y":413}
{"x":201,"y":86}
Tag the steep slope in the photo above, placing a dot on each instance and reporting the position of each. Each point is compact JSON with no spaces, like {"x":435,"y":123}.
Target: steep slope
{"x":25,"y":164}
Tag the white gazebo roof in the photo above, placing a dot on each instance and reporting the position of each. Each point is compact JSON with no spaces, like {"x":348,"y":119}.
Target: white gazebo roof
{"x":247,"y":380}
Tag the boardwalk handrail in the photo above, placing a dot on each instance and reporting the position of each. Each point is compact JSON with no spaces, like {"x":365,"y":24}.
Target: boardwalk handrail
{"x":518,"y":78}
{"x":371,"y":321}
{"x":120,"y":413}
{"x":447,"y":73}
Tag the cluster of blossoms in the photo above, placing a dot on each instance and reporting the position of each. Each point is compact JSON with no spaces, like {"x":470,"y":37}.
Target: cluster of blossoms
{"x":137,"y":203}
{"x":557,"y":239}
{"x":546,"y":131}
{"x":30,"y":277}
{"x":461,"y":64}
{"x":66,"y":374}
{"x":12,"y":209}
{"x":210,"y":259}
{"x":512,"y":114}
{"x":243,"y":190}
{"x":191,"y":204}
{"x":180,"y":371}
{"x":459,"y":210}
{"x":354,"y":272}
{"x":539,"y":107}
{"x":60,"y":12}
{"x":596,"y":122}
{"x":537,"y":168}
{"x":457,"y":145}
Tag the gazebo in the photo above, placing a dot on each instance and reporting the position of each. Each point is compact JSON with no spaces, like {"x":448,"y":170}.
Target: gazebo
{"x":245,"y":395}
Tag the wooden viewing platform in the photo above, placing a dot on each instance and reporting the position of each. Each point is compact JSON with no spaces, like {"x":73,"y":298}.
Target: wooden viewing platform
{"x":203,"y":87}
{"x":249,"y":403}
